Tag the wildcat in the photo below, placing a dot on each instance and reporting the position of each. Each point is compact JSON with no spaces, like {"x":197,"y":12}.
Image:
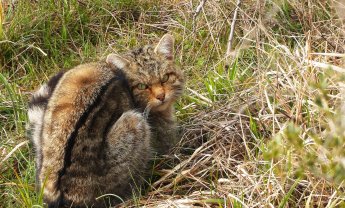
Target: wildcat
{"x":96,"y":127}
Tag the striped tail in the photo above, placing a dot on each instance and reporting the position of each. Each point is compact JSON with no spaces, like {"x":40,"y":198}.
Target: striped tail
{"x":37,"y":107}
{"x":36,"y":110}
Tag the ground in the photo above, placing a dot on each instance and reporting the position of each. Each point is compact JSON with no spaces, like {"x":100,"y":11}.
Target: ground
{"x":262,"y":117}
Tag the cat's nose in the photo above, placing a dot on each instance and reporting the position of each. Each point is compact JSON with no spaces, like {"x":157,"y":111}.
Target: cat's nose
{"x":161,"y":97}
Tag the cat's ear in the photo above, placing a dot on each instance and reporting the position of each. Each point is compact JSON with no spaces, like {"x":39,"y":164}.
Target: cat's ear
{"x":165,"y":46}
{"x":117,"y":61}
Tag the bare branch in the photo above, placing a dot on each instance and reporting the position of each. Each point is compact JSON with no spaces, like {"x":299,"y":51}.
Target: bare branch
{"x":13,"y":150}
{"x":232,"y":31}
{"x":199,"y":7}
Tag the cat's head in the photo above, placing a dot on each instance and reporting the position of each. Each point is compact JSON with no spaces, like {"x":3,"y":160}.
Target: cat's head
{"x":154,"y":79}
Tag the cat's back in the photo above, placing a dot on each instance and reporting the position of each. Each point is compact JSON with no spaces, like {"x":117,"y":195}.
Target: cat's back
{"x":74,"y":93}
{"x":75,"y":87}
{"x":86,"y":100}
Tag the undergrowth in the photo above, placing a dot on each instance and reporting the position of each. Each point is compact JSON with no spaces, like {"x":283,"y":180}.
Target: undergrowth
{"x":261,"y":128}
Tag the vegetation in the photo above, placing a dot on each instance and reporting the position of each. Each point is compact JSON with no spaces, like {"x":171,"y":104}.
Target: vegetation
{"x":263,"y":127}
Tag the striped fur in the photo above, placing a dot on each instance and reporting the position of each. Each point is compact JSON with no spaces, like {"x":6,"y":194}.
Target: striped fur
{"x":36,"y":111}
{"x":91,"y":130}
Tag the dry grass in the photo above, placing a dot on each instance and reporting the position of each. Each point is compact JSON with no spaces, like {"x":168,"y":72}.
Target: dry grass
{"x":267,"y":131}
{"x":234,"y":163}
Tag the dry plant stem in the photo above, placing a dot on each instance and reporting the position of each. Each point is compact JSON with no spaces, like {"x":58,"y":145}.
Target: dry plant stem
{"x":259,"y":7}
{"x":197,"y":12}
{"x":13,"y":150}
{"x":232,"y":31}
{"x":198,"y":8}
{"x":1,"y":20}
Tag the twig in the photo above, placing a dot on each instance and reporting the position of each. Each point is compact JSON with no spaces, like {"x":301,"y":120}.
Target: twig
{"x":231,"y":35}
{"x":198,"y":8}
{"x":197,"y":11}
{"x":13,"y":150}
{"x":39,"y":49}
{"x":1,"y":19}
{"x":327,"y":66}
{"x":27,"y":47}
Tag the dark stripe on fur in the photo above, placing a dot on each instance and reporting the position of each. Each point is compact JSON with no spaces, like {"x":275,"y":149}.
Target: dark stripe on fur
{"x":126,"y":86}
{"x":101,"y":155}
{"x":52,"y":83}
{"x":71,"y":140}
{"x":42,"y":100}
{"x":109,"y":120}
{"x":103,"y":107}
{"x":118,"y":114}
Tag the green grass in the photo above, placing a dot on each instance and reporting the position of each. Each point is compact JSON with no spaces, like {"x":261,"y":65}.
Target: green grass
{"x":266,"y":131}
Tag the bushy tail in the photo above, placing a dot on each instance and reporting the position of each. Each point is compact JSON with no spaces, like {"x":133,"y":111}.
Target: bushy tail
{"x":37,"y":107}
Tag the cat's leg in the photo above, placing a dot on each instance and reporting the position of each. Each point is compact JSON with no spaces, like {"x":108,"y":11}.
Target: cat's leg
{"x":128,"y":154}
{"x":164,"y":131}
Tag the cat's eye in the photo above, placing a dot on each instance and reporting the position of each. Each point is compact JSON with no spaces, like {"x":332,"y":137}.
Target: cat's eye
{"x":165,"y":78}
{"x":142,"y":86}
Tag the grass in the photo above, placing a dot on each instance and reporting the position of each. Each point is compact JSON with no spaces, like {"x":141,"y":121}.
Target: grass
{"x":268,"y":131}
